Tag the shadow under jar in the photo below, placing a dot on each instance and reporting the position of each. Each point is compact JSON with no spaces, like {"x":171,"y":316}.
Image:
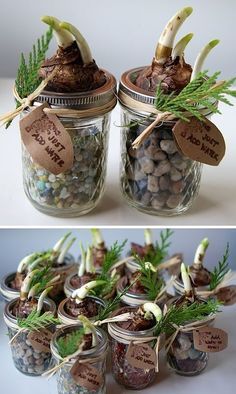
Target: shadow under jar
{"x":78,"y":190}
{"x":155,"y":178}
{"x":65,"y":382}
{"x":27,"y":359}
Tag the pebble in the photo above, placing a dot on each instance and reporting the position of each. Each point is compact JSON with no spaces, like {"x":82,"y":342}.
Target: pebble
{"x":88,"y":173}
{"x":184,"y":342}
{"x":161,"y":168}
{"x":147,"y":165}
{"x":153,"y":185}
{"x":168,"y":146}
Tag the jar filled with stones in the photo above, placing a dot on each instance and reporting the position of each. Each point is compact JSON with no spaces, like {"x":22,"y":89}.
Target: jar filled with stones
{"x":156,"y":178}
{"x":65,"y":130}
{"x":28,"y":357}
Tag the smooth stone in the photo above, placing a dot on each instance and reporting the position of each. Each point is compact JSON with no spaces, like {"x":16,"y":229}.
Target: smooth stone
{"x":169,"y":146}
{"x":52,"y":178}
{"x":135,"y":175}
{"x":40,"y":185}
{"x":180,"y":354}
{"x":146,"y":197}
{"x":175,"y":175}
{"x":28,"y":353}
{"x":166,"y":135}
{"x":184,"y":342}
{"x":135,"y":153}
{"x":153,"y":185}
{"x":162,"y":168}
{"x":164,"y":182}
{"x":159,"y":200}
{"x":147,"y":165}
{"x":64,"y":193}
{"x":174,"y":200}
{"x":193,"y":353}
{"x":177,"y":187}
{"x":178,"y":162}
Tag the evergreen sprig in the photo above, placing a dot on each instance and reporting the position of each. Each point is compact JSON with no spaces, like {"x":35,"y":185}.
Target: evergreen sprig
{"x":160,"y":251}
{"x":221,"y":270}
{"x":69,"y":344}
{"x":42,"y":278}
{"x":27,"y":79}
{"x":35,"y":321}
{"x":149,"y":279}
{"x":112,"y":256}
{"x":202,"y":92}
{"x":105,"y":312}
{"x":179,"y":315}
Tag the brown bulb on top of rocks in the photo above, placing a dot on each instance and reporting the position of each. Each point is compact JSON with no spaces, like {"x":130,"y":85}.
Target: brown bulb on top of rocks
{"x":73,"y":75}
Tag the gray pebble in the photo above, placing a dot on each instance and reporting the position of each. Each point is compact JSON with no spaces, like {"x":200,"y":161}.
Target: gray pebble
{"x":178,"y":162}
{"x":193,"y":353}
{"x":175,"y":175}
{"x":169,"y":146}
{"x":184,"y":342}
{"x":177,"y":187}
{"x":147,"y":165}
{"x":162,"y":168}
{"x":174,"y":200}
{"x":145,"y":200}
{"x":153,"y":183}
{"x":164,"y":182}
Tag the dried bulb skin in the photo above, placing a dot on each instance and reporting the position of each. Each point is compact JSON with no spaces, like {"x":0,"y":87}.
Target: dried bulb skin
{"x":78,"y":281}
{"x":172,"y":75}
{"x":200,"y":276}
{"x":16,"y":283}
{"x":73,"y":76}
{"x":23,"y":308}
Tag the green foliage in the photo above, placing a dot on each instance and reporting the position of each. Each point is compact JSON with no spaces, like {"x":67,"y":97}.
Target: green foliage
{"x":112,"y":256}
{"x":203,"y":91}
{"x":27,"y":79}
{"x":113,"y":304}
{"x":150,"y":280}
{"x":35,"y":321}
{"x":220,"y":271}
{"x":179,"y":315}
{"x":161,"y":248}
{"x":42,"y":278}
{"x":69,"y":344}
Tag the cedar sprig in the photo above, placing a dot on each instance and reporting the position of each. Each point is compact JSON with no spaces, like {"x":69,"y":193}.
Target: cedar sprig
{"x":149,"y":279}
{"x":27,"y":79}
{"x":42,"y":279}
{"x":110,"y":306}
{"x":221,"y":270}
{"x":180,"y":315}
{"x":160,"y":251}
{"x":35,"y":321}
{"x":201,"y":92}
{"x":69,"y":344}
{"x":112,"y":256}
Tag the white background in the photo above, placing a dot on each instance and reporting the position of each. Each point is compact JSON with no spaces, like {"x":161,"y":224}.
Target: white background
{"x":122,"y":33}
{"x":15,"y":244}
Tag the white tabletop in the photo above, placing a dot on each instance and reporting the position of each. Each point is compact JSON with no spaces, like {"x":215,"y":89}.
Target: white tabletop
{"x":215,"y":204}
{"x":218,"y":377}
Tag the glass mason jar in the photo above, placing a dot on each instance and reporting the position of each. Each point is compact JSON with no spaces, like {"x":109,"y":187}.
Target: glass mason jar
{"x":68,"y":268}
{"x":65,"y":382}
{"x":79,"y":189}
{"x":26,"y":358}
{"x":68,"y":319}
{"x":183,"y":358}
{"x":179,"y":288}
{"x":137,"y":299}
{"x":125,"y":374}
{"x":155,"y":178}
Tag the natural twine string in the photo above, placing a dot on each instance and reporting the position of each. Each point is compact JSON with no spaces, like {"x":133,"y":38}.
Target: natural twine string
{"x":64,"y":112}
{"x":160,"y":117}
{"x":206,"y":293}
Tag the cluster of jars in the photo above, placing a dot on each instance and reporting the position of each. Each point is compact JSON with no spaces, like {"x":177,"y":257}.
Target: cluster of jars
{"x":182,"y":357}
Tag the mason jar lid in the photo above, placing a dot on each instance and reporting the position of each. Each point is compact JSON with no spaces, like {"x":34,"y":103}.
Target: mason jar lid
{"x":81,"y":100}
{"x":129,"y":298}
{"x":6,"y":291}
{"x":11,"y":320}
{"x":67,"y":319}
